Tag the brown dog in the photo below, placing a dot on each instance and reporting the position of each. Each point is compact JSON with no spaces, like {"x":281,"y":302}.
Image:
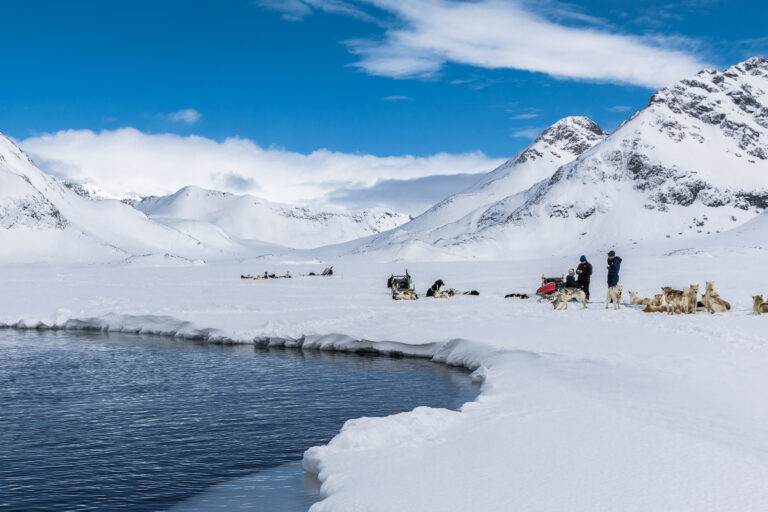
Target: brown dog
{"x":673,"y":298}
{"x":690,"y":299}
{"x":759,"y":306}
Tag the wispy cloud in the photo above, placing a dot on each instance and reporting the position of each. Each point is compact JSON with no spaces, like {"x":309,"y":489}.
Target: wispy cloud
{"x":525,"y":115}
{"x":297,"y":10}
{"x":292,"y":10}
{"x":497,"y":34}
{"x":620,"y":108}
{"x":526,"y":133}
{"x":397,"y":98}
{"x":127,"y":160}
{"x":187,"y":115}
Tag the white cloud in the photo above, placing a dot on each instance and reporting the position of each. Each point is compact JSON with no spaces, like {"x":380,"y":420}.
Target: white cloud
{"x":297,"y":10}
{"x":526,"y":133}
{"x":620,"y":108}
{"x":496,"y":34}
{"x":292,"y":10}
{"x":127,"y":160}
{"x":525,"y":115}
{"x":397,"y":98}
{"x":187,"y":115}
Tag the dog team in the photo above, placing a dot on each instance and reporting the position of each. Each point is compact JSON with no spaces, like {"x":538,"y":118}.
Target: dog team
{"x":685,"y":301}
{"x":266,"y":275}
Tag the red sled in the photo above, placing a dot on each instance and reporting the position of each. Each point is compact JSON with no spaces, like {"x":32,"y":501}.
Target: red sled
{"x":550,"y":286}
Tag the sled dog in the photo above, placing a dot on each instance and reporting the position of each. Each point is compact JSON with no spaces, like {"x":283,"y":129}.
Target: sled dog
{"x":564,"y":296}
{"x":650,"y":308}
{"x":673,"y":299}
{"x":614,"y":295}
{"x":451,"y":292}
{"x":434,"y":291}
{"x":405,"y":295}
{"x":516,"y":296}
{"x":759,"y":306}
{"x":712,"y":300}
{"x":636,"y":300}
{"x":690,"y":299}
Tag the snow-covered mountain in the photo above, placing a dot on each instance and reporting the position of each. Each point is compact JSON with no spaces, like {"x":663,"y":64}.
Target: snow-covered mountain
{"x":46,"y":219}
{"x":200,"y":213}
{"x":42,"y":219}
{"x":91,"y":191}
{"x":693,"y":162}
{"x":557,"y":145}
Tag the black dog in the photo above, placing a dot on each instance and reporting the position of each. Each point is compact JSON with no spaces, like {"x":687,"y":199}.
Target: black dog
{"x":516,"y":296}
{"x":435,"y":288}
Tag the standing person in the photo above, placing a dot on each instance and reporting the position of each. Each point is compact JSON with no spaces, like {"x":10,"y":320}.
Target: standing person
{"x":614,"y":264}
{"x":584,"y":271}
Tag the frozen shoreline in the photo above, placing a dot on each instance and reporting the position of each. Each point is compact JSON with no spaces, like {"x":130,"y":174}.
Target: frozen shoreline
{"x":580,"y":409}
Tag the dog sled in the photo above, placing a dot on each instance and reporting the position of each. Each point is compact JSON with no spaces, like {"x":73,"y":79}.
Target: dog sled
{"x":327,"y":271}
{"x":550,"y":286}
{"x":402,"y":286}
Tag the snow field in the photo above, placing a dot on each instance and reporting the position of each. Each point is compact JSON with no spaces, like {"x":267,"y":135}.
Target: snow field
{"x":579,"y":410}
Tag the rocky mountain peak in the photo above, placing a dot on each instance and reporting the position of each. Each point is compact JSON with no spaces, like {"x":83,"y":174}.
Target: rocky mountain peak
{"x":571,"y":135}
{"x":734,"y":101}
{"x":699,"y":149}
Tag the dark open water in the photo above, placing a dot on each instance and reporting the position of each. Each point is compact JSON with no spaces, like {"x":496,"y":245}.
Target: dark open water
{"x":123,"y":422}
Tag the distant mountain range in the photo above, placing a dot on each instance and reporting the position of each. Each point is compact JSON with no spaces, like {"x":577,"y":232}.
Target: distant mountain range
{"x":692,"y":163}
{"x":244,"y":217}
{"x":44,"y":219}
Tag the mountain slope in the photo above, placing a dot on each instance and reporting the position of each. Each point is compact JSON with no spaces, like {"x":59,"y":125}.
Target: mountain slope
{"x":693,"y":162}
{"x":245,"y":217}
{"x":42,"y":219}
{"x":557,"y":145}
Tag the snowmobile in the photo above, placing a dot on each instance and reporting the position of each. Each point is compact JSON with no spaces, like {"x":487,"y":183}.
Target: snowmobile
{"x":400,"y":283}
{"x":550,"y":286}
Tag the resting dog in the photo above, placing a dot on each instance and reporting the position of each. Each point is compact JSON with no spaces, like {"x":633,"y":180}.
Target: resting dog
{"x":564,"y":296}
{"x":712,"y":300}
{"x":636,"y":300}
{"x":759,"y":306}
{"x":516,"y":296}
{"x":405,"y":295}
{"x":434,"y":291}
{"x":650,"y":308}
{"x":614,"y":295}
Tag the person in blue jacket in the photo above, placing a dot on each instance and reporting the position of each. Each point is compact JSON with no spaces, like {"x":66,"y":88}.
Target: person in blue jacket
{"x":614,"y":264}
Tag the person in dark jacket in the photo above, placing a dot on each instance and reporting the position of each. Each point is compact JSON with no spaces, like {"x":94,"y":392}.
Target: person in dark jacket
{"x":584,"y":273}
{"x":570,"y":279}
{"x":614,"y":264}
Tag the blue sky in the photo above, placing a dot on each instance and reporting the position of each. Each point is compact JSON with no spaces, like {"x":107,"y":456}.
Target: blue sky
{"x":376,"y":77}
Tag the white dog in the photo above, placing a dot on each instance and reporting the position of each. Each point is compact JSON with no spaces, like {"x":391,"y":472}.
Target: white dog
{"x":614,"y":295}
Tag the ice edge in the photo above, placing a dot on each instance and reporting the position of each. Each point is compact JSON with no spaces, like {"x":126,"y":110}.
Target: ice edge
{"x":455,"y":352}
